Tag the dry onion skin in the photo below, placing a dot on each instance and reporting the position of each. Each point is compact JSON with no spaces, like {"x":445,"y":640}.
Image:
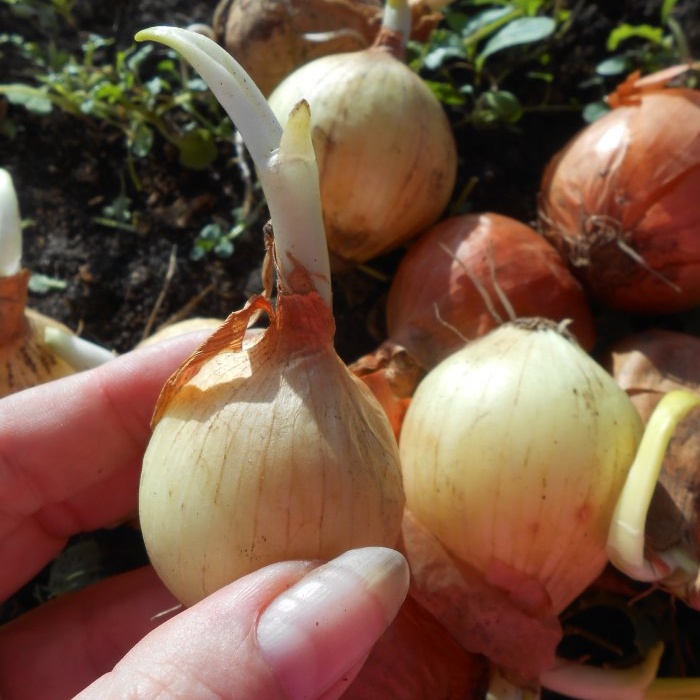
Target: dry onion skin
{"x":385,"y":148}
{"x":268,"y":449}
{"x":34,"y":348}
{"x":620,"y":200}
{"x":514,"y":451}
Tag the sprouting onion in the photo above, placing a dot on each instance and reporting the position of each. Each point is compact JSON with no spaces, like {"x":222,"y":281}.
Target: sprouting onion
{"x":266,"y":449}
{"x":33,"y":347}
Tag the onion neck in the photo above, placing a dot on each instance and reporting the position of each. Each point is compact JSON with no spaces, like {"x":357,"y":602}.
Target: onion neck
{"x":395,"y":29}
{"x":285,"y":163}
{"x":13,"y":302}
{"x":10,"y":227}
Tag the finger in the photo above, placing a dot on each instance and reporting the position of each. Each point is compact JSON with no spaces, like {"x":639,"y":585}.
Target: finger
{"x":260,"y":639}
{"x":56,"y":650}
{"x":70,"y":453}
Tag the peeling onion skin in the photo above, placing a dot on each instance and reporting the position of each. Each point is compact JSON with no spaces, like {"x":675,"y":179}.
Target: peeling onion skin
{"x":265,"y":454}
{"x":630,"y":180}
{"x":514,"y":451}
{"x":433,"y":304}
{"x":386,"y":153}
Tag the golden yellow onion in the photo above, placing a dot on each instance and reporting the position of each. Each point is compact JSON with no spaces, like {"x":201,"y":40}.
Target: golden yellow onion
{"x":386,"y":153}
{"x":266,"y":449}
{"x":514,"y":451}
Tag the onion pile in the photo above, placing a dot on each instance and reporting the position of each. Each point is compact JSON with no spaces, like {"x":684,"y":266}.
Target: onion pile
{"x":620,"y":201}
{"x":385,"y":148}
{"x":266,"y":449}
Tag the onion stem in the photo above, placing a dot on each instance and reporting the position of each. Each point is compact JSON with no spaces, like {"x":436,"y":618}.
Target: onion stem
{"x":397,"y":17}
{"x":79,"y":353}
{"x":288,"y":174}
{"x":10,"y":227}
{"x":626,"y":535}
{"x":593,"y":683}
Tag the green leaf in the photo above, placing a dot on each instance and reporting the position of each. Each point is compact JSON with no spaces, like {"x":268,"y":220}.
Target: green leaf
{"x":446,"y":93}
{"x":616,"y":65}
{"x":141,"y":140}
{"x":497,"y":107}
{"x":42,"y":284}
{"x":667,"y":9}
{"x":32,"y":99}
{"x":525,"y":30}
{"x":197,"y":149}
{"x":595,"y":110}
{"x":625,"y":32}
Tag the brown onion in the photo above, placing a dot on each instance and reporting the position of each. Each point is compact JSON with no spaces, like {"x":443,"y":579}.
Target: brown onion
{"x":458,"y":281}
{"x":451,"y":284}
{"x":271,"y":38}
{"x":417,"y":658}
{"x":620,"y":201}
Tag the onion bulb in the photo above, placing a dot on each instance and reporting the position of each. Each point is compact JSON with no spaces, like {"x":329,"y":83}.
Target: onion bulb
{"x":514,"y":451}
{"x":268,"y":449}
{"x":386,"y":153}
{"x":468,"y":274}
{"x":34,"y":348}
{"x":620,"y":200}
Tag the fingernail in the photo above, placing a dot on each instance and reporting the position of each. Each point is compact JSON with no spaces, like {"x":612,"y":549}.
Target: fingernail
{"x":328,"y":622}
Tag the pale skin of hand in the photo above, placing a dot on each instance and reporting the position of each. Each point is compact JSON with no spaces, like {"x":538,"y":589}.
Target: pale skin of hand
{"x":70,"y":457}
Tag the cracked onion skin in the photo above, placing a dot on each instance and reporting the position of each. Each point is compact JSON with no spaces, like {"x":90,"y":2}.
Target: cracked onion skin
{"x":620,"y":201}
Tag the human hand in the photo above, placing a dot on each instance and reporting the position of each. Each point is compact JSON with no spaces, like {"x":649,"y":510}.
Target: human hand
{"x":70,"y":456}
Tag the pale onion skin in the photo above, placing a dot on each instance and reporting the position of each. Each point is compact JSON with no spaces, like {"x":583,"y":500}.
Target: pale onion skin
{"x":25,"y":359}
{"x":273,"y":453}
{"x":629,"y":182}
{"x":514,"y":451}
{"x":385,"y":150}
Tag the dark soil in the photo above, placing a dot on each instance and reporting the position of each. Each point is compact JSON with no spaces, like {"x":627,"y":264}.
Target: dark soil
{"x":118,"y":287}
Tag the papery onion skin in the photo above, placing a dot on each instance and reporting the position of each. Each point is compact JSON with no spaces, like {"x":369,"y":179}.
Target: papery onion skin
{"x":434,"y":305}
{"x":385,"y":149}
{"x":271,"y":453}
{"x":25,"y":359}
{"x":620,"y":202}
{"x":514,"y":451}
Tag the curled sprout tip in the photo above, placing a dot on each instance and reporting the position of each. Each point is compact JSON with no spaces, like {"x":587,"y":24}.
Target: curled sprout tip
{"x":626,"y":539}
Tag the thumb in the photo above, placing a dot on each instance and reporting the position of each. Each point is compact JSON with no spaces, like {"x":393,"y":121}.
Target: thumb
{"x":290,"y":631}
